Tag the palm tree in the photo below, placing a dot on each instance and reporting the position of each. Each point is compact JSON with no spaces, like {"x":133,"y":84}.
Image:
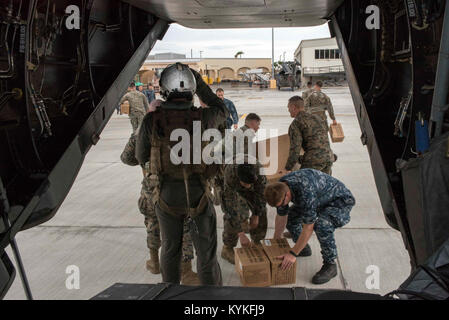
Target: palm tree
{"x":239,"y":54}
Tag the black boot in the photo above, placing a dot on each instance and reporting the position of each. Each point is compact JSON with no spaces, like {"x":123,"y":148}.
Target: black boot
{"x":306,"y":252}
{"x":327,"y":272}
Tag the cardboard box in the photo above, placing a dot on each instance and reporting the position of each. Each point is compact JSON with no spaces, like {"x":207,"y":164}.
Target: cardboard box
{"x":253,"y":267}
{"x":274,"y":248}
{"x":264,"y":147}
{"x":124,"y":107}
{"x":337,"y":134}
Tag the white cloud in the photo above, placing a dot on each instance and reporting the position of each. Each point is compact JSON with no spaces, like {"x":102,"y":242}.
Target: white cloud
{"x":224,"y":43}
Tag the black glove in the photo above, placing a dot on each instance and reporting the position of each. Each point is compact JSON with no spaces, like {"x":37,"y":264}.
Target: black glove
{"x":197,"y":76}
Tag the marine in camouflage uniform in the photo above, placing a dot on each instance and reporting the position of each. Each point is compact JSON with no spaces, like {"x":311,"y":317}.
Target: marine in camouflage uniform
{"x":308,"y":133}
{"x":317,"y":103}
{"x":236,"y":202}
{"x":138,"y":107}
{"x":231,"y":147}
{"x":147,"y":207}
{"x":307,"y":93}
{"x":323,"y":201}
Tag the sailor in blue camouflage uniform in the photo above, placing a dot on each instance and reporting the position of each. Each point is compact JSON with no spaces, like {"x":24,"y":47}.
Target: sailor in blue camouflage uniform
{"x":321,"y":203}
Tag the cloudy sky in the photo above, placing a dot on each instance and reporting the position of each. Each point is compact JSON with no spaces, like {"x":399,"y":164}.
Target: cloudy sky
{"x":225,"y":43}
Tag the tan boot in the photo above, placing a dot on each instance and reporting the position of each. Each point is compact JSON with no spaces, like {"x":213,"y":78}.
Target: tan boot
{"x":153,"y":263}
{"x":227,"y":253}
{"x":188,"y":277}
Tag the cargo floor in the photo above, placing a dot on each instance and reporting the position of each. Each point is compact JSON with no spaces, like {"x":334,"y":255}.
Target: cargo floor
{"x":100,"y":230}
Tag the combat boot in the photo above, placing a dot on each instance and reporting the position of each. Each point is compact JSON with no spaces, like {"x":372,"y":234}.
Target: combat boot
{"x":227,"y":253}
{"x":153,"y":263}
{"x":327,"y":272}
{"x":306,"y":252}
{"x":188,"y":277}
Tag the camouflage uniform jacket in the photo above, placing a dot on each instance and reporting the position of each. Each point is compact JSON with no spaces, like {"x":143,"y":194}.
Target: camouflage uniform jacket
{"x":317,"y":103}
{"x":213,"y":117}
{"x":248,"y":135}
{"x":254,"y":195}
{"x":308,"y":132}
{"x":128,"y":155}
{"x":312,"y":191}
{"x":138,"y":103}
{"x":307,"y":94}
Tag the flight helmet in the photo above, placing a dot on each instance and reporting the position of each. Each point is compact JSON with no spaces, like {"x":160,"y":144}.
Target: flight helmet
{"x":177,"y":81}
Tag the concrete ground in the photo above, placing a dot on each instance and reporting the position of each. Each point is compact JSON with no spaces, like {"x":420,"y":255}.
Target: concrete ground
{"x":99,"y":229}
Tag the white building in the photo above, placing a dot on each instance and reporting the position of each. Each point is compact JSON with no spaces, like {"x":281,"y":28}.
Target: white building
{"x":320,"y":59}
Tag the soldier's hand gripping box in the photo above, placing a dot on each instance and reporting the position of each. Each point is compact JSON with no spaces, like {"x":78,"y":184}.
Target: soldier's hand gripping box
{"x":274,"y":248}
{"x":253,"y":266}
{"x":337,"y":134}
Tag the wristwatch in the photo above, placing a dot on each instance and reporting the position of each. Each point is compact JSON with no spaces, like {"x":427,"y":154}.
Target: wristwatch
{"x":293,"y":254}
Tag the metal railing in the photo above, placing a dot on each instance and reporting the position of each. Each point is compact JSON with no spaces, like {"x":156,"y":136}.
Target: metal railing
{"x":322,"y":70}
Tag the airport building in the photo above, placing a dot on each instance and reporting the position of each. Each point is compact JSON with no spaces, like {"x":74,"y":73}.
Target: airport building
{"x":217,"y":69}
{"x":320,"y":59}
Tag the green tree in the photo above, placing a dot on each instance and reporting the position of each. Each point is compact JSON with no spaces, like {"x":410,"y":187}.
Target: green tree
{"x":239,"y":54}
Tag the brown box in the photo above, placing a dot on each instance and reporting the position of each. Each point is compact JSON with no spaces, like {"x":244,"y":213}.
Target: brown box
{"x":337,"y":134}
{"x":253,"y":267}
{"x":124,"y":107}
{"x":274,"y":248}
{"x":282,"y":151}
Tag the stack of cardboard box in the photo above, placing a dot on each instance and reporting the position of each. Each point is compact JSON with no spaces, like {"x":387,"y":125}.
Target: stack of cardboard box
{"x":258,"y":266}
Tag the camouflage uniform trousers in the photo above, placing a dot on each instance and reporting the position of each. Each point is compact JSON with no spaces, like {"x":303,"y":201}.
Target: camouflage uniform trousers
{"x":136,"y":120}
{"x":322,"y":116}
{"x":147,"y":208}
{"x":235,"y":223}
{"x":331,"y":217}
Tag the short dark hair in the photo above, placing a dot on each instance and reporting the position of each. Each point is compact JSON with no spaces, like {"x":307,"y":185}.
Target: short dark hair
{"x":247,"y":173}
{"x":219,"y":90}
{"x":252,"y":116}
{"x":309,"y":83}
{"x":319,"y":84}
{"x":132,"y":85}
{"x":274,"y":193}
{"x":297,"y":101}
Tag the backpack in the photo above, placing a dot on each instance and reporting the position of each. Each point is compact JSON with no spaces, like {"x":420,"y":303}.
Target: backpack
{"x":167,"y":118}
